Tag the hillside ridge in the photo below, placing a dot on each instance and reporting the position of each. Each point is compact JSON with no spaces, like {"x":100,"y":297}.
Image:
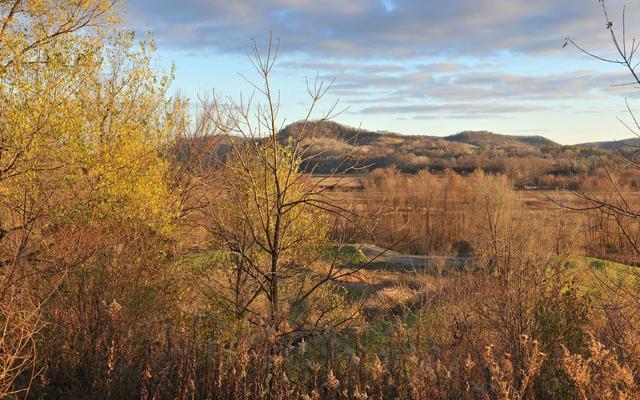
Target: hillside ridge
{"x":479,"y":138}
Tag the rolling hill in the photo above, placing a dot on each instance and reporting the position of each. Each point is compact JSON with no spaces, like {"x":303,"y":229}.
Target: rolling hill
{"x":623,"y":144}
{"x":530,"y":160}
{"x":490,"y":139}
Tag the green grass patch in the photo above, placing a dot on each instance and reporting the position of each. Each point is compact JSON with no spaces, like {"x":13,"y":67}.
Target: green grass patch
{"x":596,"y":275}
{"x":349,"y":255}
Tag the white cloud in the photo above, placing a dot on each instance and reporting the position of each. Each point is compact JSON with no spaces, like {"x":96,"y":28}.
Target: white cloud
{"x":367,"y":28}
{"x":411,"y":58}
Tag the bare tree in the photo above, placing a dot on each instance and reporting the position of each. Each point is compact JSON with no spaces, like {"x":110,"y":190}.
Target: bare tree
{"x":284,"y":272}
{"x":615,"y":205}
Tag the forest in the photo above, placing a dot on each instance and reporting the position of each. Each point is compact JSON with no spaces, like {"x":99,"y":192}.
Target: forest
{"x":158,"y":247}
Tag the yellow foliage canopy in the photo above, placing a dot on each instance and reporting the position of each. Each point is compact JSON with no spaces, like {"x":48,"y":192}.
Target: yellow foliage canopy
{"x":267,"y":187}
{"x":85,"y":121}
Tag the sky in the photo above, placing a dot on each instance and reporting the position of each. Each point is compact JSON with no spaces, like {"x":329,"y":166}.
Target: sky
{"x":410,"y":66}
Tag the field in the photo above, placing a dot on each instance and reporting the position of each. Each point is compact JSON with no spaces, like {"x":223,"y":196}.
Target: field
{"x":161,"y":245}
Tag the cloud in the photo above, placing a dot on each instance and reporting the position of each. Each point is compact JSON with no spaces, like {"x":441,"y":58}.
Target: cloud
{"x":372,"y":28}
{"x":480,"y":85}
{"x":465,"y":110}
{"x":463,"y":84}
{"x":413,"y":59}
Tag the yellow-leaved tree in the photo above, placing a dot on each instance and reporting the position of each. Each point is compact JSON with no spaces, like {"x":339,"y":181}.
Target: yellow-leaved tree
{"x":85,"y":125}
{"x":273,"y":235}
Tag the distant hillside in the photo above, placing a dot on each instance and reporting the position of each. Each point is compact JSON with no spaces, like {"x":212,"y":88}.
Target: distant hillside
{"x":624,"y":144}
{"x":355,"y":136}
{"x":529,"y":160}
{"x":408,"y":153}
{"x":489,"y":139}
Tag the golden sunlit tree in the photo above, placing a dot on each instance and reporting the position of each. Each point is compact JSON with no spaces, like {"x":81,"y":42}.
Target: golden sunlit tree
{"x":84,"y":127}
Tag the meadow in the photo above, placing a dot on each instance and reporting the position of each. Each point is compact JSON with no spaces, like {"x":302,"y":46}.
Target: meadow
{"x":155,"y":248}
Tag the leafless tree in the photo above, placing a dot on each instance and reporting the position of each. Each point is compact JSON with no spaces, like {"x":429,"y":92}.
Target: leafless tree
{"x":284,"y":273}
{"x":615,"y":203}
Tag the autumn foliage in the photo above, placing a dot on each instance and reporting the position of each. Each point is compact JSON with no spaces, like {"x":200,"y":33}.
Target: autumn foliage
{"x":150,"y":252}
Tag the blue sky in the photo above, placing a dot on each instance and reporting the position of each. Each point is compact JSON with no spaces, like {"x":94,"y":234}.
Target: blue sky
{"x":410,"y":66}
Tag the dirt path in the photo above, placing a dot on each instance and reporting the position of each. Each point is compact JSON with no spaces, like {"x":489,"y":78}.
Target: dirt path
{"x":377,"y":254}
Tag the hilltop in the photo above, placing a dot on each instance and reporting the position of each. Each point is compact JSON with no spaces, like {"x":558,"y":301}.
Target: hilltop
{"x":624,"y":144}
{"x":462,"y":152}
{"x":490,"y":139}
{"x":454,"y":143}
{"x":529,"y":160}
